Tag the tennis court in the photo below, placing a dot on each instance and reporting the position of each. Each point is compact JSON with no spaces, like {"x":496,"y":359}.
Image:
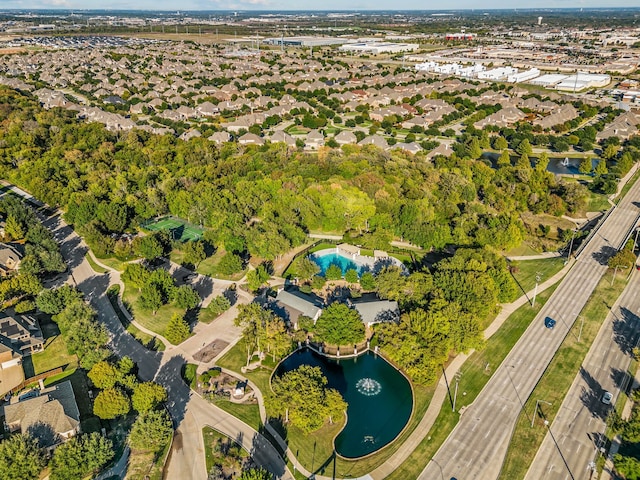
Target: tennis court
{"x":180,"y":229}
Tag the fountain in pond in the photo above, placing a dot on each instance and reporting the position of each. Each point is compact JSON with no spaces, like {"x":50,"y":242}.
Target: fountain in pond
{"x":565,"y":162}
{"x":368,"y":387}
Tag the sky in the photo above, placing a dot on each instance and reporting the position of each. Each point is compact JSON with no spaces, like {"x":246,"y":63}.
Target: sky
{"x":175,"y":5}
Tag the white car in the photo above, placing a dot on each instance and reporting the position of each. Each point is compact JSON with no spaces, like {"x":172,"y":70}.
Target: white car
{"x":606,"y":398}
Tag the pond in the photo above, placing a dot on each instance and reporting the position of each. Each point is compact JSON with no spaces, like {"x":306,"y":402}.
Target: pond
{"x":379,"y":397}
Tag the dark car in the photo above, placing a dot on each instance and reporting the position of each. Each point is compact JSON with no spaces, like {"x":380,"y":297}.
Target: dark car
{"x":549,"y":322}
{"x":189,"y":277}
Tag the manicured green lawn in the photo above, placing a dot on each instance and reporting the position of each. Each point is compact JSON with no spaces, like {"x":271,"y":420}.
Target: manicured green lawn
{"x":112,"y":262}
{"x":476,"y":372}
{"x":55,"y":352}
{"x":526,"y":271}
{"x":209,"y":266}
{"x":558,"y":377}
{"x":96,"y":268}
{"x":248,"y":413}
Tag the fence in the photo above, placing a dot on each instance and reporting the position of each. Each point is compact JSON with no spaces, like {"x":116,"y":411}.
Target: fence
{"x":37,"y":378}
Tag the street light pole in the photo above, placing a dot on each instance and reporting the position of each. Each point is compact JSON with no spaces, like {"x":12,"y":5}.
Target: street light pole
{"x":571,"y":244}
{"x":535,"y":291}
{"x":535,"y":412}
{"x":455,"y":394}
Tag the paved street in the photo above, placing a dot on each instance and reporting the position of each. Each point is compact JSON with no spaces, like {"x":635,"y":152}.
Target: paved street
{"x":478,"y":444}
{"x":576,"y":432}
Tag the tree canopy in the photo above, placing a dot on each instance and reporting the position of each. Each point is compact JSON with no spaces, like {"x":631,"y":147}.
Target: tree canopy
{"x":339,"y":325}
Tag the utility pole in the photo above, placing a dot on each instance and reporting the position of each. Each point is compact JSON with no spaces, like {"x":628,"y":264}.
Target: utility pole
{"x":455,"y":394}
{"x":535,"y":291}
{"x":535,"y":412}
{"x":581,"y":325}
{"x":571,"y":245}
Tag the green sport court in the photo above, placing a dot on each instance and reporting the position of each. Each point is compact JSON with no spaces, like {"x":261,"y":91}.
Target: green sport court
{"x":180,"y":229}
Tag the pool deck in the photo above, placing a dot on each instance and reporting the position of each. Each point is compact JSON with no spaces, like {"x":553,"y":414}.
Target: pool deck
{"x":359,"y":260}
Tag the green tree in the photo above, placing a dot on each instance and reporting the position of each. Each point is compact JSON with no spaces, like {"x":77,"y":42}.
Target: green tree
{"x":333,"y":272}
{"x":305,"y":268}
{"x":111,"y":403}
{"x":150,"y":297}
{"x":151,"y":431}
{"x":625,"y":258}
{"x":500,"y":143}
{"x":340,"y":325}
{"x":147,"y":396}
{"x":136,"y":274}
{"x":610,"y":151}
{"x":318,"y":282}
{"x":627,"y":466}
{"x":301,"y":396}
{"x":351,"y":275}
{"x":601,"y":168}
{"x":257,"y":278}
{"x":13,"y":229}
{"x":524,"y":148}
{"x":177,"y":330}
{"x":219,"y":305}
{"x":80,"y":456}
{"x":186,"y":297}
{"x":255,"y":473}
{"x":194,"y":252}
{"x":585,"y":166}
{"x":504,"y":160}
{"x":542,"y":162}
{"x":147,"y":247}
{"x":252,"y":318}
{"x":104,"y":375}
{"x":367,"y":281}
{"x":230,"y":263}
{"x":275,"y":338}
{"x":20,"y":458}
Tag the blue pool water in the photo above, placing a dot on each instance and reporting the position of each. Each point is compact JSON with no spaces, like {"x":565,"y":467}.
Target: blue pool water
{"x":324,"y":261}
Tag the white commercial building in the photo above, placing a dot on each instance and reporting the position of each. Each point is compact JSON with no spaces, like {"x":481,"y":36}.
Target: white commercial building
{"x":380,"y":47}
{"x":581,"y":81}
{"x":497,"y":73}
{"x":523,"y":76}
{"x":548,"y":81}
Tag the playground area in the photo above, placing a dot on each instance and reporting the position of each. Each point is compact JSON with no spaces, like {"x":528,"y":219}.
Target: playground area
{"x":180,"y":229}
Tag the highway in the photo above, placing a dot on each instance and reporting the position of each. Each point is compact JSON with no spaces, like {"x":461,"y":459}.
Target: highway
{"x":576,"y":433}
{"x":477,"y":446}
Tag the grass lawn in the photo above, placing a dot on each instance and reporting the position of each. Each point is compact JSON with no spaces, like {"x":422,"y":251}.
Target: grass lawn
{"x":527,"y":270}
{"x":96,"y":268}
{"x":148,"y":341}
{"x":522,"y":250}
{"x":156,"y":323}
{"x":321,"y":246}
{"x":322,"y":440}
{"x":209,"y":266}
{"x":627,"y":186}
{"x":248,"y":413}
{"x":597,"y":203}
{"x":55,"y":352}
{"x":558,"y":377}
{"x":112,"y":262}
{"x":476,"y":372}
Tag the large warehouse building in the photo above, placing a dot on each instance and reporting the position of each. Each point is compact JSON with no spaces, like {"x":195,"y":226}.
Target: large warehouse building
{"x":380,"y":47}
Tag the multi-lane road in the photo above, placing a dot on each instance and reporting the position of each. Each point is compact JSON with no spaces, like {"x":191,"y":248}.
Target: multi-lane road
{"x":477,"y":446}
{"x":576,"y":434}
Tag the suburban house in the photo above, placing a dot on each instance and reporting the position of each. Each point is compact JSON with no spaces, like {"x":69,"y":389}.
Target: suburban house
{"x":290,"y":305}
{"x":314,"y":140}
{"x":283,"y":137}
{"x":51,"y":418}
{"x":250,"y":139}
{"x":21,"y":332}
{"x":10,"y":257}
{"x":11,"y":372}
{"x":373,"y":310}
{"x":345,"y":137}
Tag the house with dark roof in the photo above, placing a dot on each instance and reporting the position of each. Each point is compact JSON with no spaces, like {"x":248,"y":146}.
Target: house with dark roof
{"x":291,"y":304}
{"x":373,"y":310}
{"x":21,"y":332}
{"x":51,"y":418}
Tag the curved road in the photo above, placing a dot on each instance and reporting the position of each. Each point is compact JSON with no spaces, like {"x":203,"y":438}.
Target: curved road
{"x":189,"y":412}
{"x":477,"y":446}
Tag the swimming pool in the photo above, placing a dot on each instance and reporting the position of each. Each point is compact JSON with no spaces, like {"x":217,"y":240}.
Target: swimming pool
{"x":324,"y":260}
